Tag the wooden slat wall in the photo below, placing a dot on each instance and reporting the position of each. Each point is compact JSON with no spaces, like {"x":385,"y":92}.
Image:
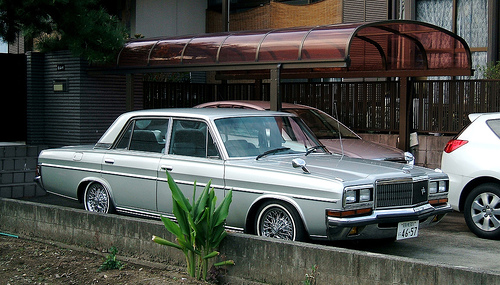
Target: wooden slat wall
{"x":439,"y":106}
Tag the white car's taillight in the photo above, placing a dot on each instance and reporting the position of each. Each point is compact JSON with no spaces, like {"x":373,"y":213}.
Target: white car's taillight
{"x":453,"y":145}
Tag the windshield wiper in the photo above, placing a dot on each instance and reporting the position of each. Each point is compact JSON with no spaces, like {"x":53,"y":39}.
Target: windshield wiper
{"x":313,"y":148}
{"x":272,"y":151}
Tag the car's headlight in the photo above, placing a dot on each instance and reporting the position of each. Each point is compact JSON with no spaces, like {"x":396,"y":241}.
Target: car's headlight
{"x":442,"y":187}
{"x":438,"y":192}
{"x":350,"y":196}
{"x":358,"y":195}
{"x":438,"y":187}
{"x":433,"y":187}
{"x":365,"y":195}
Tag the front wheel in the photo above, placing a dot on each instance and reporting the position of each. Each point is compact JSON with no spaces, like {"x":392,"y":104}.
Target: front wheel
{"x":97,"y":199}
{"x":482,"y":211}
{"x":279,"y":220}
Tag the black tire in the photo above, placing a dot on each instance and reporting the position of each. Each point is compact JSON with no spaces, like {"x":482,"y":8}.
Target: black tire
{"x":96,"y":198}
{"x":278,"y":220}
{"x":482,"y":211}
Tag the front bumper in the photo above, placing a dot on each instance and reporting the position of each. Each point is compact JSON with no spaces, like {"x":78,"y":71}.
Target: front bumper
{"x":383,"y":223}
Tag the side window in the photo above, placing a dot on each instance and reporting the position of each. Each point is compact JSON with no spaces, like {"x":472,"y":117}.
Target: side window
{"x":494,"y":126}
{"x":144,"y":135}
{"x":191,"y":138}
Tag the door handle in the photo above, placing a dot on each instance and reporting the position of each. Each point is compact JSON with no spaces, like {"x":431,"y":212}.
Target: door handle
{"x":109,"y":161}
{"x":166,"y":168}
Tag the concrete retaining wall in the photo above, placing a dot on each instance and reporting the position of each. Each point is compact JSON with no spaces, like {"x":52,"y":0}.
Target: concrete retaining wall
{"x":258,"y":260}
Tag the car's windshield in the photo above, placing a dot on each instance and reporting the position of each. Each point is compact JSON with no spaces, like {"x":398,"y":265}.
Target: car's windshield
{"x":322,"y":125}
{"x":253,"y":136}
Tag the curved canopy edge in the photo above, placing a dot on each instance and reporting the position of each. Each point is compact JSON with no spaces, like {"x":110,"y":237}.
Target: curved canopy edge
{"x":380,"y":49}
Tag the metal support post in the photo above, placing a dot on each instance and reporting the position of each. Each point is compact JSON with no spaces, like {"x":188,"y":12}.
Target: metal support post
{"x":275,"y":88}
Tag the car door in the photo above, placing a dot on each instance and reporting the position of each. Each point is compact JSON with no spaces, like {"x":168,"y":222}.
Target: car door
{"x":131,"y":166}
{"x":191,"y":157}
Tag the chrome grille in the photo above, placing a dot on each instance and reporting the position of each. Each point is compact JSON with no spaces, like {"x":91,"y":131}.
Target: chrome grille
{"x":400,"y":193}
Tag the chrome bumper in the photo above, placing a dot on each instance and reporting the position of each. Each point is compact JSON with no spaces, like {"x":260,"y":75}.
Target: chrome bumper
{"x":383,"y":223}
{"x":38,"y":181}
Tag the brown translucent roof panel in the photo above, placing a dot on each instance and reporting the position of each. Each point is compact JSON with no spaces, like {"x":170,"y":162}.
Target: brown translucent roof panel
{"x":381,"y":48}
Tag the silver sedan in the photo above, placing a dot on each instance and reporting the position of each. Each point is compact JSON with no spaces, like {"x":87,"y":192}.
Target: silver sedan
{"x":285,"y":183}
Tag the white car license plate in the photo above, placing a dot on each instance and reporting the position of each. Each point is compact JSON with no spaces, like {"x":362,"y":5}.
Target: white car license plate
{"x":407,"y":230}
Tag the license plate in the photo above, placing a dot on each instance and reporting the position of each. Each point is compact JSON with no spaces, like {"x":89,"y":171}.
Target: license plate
{"x":407,"y":230}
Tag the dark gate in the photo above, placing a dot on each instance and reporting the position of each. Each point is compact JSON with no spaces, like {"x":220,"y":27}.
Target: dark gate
{"x":13,"y":97}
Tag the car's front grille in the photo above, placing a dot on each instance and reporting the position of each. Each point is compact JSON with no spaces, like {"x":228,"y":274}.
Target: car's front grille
{"x":400,"y":193}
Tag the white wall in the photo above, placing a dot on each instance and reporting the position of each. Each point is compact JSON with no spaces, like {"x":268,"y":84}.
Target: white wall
{"x":163,"y":18}
{"x":3,"y":47}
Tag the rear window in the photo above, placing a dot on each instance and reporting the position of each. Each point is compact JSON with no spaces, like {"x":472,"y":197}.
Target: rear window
{"x":494,"y":126}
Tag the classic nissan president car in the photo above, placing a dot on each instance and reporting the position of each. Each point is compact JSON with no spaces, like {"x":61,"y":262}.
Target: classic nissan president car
{"x":285,"y":183}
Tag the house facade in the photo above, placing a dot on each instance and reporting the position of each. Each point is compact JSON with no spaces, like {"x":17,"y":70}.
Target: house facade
{"x":68,"y":105}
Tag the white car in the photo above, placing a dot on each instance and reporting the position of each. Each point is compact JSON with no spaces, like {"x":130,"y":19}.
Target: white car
{"x":471,"y":162}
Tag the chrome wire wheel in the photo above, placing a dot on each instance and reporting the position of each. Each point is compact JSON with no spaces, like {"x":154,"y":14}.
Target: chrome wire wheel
{"x":97,"y":198}
{"x":276,"y":220}
{"x":482,"y":211}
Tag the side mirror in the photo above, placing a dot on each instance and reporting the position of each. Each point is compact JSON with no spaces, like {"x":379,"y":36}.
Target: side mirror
{"x":299,"y":162}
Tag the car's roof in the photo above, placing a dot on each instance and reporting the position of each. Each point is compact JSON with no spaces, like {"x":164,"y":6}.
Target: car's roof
{"x":249,"y":104}
{"x":205,"y":113}
{"x":195,"y":113}
{"x":492,"y":115}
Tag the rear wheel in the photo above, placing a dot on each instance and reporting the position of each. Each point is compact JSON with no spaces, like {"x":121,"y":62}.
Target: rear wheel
{"x":97,"y":199}
{"x":482,"y":211}
{"x":279,"y":220}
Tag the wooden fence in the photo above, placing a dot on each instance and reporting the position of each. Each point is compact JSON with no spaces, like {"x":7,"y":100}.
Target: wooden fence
{"x":438,"y":106}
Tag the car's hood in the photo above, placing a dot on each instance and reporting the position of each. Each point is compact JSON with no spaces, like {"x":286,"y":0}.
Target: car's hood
{"x":340,"y":168}
{"x":363,"y":149}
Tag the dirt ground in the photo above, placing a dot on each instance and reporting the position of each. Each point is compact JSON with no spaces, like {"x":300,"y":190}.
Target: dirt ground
{"x":24,"y":261}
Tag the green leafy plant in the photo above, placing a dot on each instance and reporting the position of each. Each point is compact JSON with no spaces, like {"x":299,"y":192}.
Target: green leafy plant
{"x":490,"y":71}
{"x":311,"y":278}
{"x":199,"y":228}
{"x":111,"y":262}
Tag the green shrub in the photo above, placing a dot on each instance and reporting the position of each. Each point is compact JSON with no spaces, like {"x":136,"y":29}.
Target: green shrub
{"x":111,"y":262}
{"x":199,"y":228}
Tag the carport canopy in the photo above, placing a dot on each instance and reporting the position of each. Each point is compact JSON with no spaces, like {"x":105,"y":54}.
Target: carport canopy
{"x":394,"y":48}
{"x":381,"y":49}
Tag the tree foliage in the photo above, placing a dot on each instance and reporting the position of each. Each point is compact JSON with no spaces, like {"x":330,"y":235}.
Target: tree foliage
{"x":491,"y":71}
{"x":82,"y":26}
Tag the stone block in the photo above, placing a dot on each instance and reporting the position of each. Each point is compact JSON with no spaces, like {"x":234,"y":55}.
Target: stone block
{"x":17,"y":191}
{"x":31,"y":163}
{"x":21,"y":151}
{"x":20,"y":163}
{"x":29,"y":176}
{"x":6,"y":178}
{"x":29,"y":190}
{"x":9,"y":151}
{"x":18,"y":177}
{"x":5,"y":192}
{"x":8,"y":164}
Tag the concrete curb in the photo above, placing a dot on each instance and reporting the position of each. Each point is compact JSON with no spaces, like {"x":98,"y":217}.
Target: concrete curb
{"x":258,"y":260}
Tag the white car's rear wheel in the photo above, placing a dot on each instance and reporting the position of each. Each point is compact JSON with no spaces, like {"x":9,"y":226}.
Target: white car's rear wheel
{"x":482,"y":211}
{"x":279,"y":220}
{"x":97,"y":199}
